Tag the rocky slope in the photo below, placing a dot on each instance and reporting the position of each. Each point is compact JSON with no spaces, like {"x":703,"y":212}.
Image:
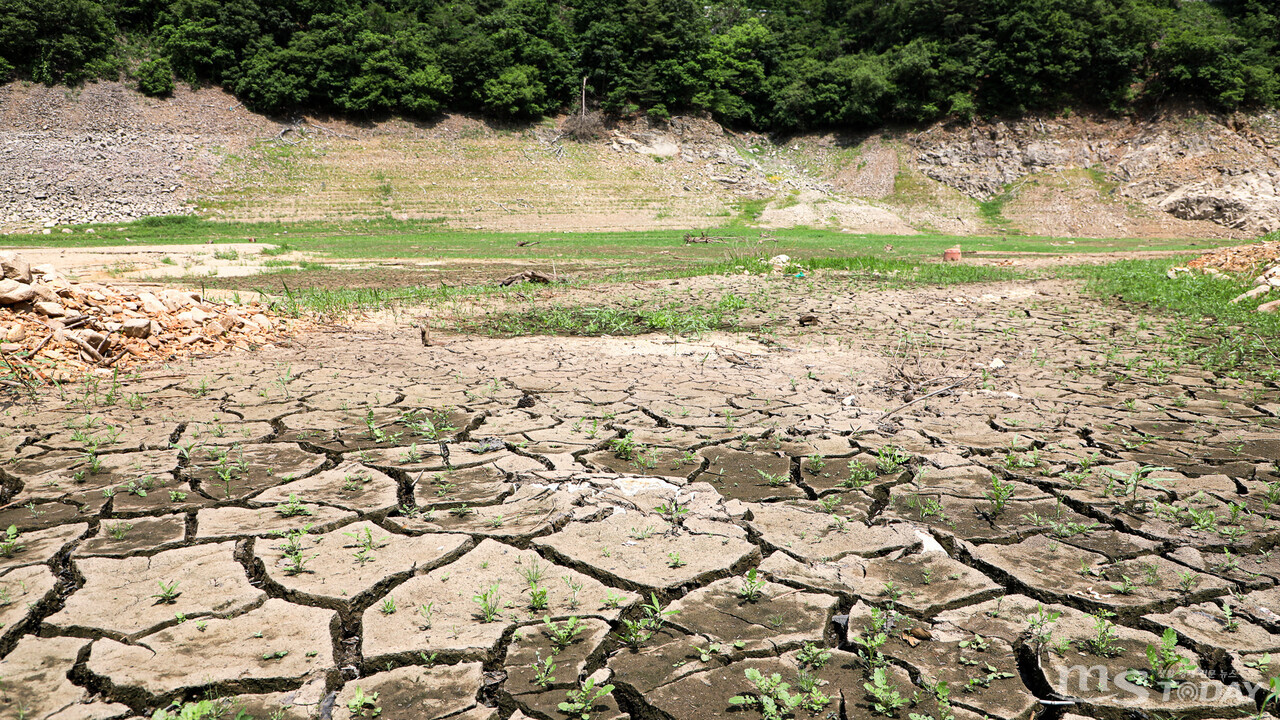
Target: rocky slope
{"x":103,"y":153}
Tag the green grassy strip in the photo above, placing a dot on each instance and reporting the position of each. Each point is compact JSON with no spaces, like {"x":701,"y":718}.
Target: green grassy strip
{"x":1193,"y":295}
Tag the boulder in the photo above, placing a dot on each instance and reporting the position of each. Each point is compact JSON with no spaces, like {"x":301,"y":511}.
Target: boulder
{"x":136,"y":328}
{"x":14,"y":267}
{"x":12,"y":291}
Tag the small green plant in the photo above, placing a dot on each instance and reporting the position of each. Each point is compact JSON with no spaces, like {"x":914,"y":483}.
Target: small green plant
{"x":999,"y":495}
{"x":580,"y":701}
{"x":1125,"y":587}
{"x":859,"y":475}
{"x":674,"y":561}
{"x":490,"y":603}
{"x":625,"y":447}
{"x":542,"y":669}
{"x":752,"y":587}
{"x":1230,"y":623}
{"x":635,"y":633}
{"x":168,"y":594}
{"x":118,"y":530}
{"x":388,"y":606}
{"x":1103,"y":642}
{"x":562,"y":634}
{"x":1165,"y":665}
{"x":537,"y":597}
{"x":814,"y":656}
{"x":772,"y":697}
{"x":293,"y":507}
{"x":9,"y":544}
{"x":890,"y":459}
{"x":362,"y":705}
{"x":885,"y":698}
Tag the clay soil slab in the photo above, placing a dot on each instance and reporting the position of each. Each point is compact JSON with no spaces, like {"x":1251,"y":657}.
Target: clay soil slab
{"x":416,"y":692}
{"x":926,"y":583}
{"x":779,"y":620}
{"x":137,"y":536}
{"x":36,"y":684}
{"x":334,"y":577}
{"x":37,"y":516}
{"x":479,"y":485}
{"x":533,"y":510}
{"x":112,"y":435}
{"x":738,"y":475}
{"x":984,"y":680}
{"x":1053,"y":570}
{"x":54,"y":476}
{"x":646,"y":564}
{"x":268,"y":465}
{"x":38,"y":546}
{"x":454,"y":625}
{"x":658,"y":462}
{"x":245,"y":522}
{"x":230,"y":432}
{"x":1205,"y":626}
{"x":813,"y":536}
{"x":117,"y":597}
{"x":22,"y":590}
{"x":533,"y":643}
{"x":350,"y":486}
{"x":668,"y":656}
{"x":1077,"y":675}
{"x":975,"y":521}
{"x":244,"y":650}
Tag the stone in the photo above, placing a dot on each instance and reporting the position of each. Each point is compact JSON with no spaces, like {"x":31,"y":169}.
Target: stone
{"x":1270,"y":307}
{"x":1256,"y":291}
{"x":15,"y":333}
{"x":14,"y":267}
{"x":47,"y":270}
{"x":12,"y":291}
{"x":136,"y":328}
{"x":274,"y":644}
{"x":151,"y":304}
{"x":51,"y":309}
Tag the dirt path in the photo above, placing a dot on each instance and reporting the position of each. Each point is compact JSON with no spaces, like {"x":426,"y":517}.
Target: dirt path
{"x":916,"y":486}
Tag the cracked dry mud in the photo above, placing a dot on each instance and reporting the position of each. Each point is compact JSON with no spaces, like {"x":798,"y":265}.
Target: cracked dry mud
{"x":296,"y":530}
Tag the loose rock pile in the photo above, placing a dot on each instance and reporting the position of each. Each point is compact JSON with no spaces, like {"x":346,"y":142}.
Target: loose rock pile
{"x":56,"y":329}
{"x":1262,"y":258}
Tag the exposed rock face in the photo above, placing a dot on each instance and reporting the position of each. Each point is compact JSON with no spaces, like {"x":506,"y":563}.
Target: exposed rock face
{"x":1225,"y":170}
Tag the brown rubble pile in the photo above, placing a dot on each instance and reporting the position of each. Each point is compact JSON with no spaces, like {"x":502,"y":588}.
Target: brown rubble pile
{"x":1260,"y":260}
{"x":1240,"y":258}
{"x":54,"y":329}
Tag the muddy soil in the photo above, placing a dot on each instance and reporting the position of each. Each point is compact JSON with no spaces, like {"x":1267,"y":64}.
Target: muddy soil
{"x":364,"y":526}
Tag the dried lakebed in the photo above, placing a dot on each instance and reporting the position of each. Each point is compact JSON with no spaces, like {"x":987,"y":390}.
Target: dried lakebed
{"x":491,"y":528}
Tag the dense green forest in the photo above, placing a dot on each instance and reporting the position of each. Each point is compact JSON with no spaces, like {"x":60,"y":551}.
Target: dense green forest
{"x":772,"y":64}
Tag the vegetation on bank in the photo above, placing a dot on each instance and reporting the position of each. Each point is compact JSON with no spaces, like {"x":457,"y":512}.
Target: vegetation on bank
{"x":774,"y":64}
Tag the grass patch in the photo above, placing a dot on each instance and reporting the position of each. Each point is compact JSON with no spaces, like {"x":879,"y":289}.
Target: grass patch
{"x":170,"y":221}
{"x":907,"y":272}
{"x":992,"y":210}
{"x":1209,"y":331}
{"x":593,"y":321}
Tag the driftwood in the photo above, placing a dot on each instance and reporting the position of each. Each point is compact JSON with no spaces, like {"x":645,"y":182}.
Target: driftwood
{"x":690,"y":238}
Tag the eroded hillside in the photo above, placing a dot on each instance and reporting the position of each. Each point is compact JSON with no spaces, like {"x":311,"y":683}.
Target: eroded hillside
{"x":103,"y":153}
